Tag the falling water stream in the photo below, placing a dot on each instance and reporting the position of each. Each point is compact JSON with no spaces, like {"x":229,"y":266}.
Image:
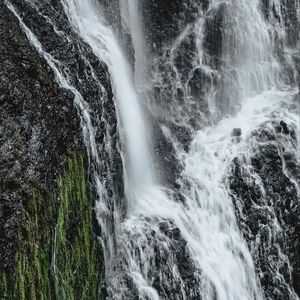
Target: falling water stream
{"x":224,"y":266}
{"x":88,"y":20}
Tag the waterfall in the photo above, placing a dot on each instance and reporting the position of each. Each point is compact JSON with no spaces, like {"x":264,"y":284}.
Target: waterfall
{"x":223,"y":89}
{"x":89,"y":22}
{"x":223,"y":264}
{"x":139,"y":175}
{"x":249,"y":75}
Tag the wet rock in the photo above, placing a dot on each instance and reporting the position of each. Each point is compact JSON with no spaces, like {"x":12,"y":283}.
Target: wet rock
{"x":285,"y":14}
{"x":237,"y":132}
{"x":34,"y":139}
{"x":267,"y":207}
{"x":40,"y":124}
{"x":216,"y":22}
{"x":283,"y":128}
{"x":291,"y":21}
{"x":160,"y":250}
{"x":165,"y":157}
{"x":164,"y":21}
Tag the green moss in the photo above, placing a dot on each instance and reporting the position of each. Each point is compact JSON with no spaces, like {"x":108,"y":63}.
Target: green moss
{"x":78,"y":257}
{"x":58,"y":256}
{"x":3,"y":287}
{"x":32,"y":276}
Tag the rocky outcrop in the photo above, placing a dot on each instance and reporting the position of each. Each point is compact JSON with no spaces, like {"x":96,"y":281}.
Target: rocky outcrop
{"x":265,"y":191}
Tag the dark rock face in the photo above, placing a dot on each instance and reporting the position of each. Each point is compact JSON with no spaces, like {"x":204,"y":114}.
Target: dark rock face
{"x":188,"y":82}
{"x":216,"y":23}
{"x":180,"y":92}
{"x":165,"y":155}
{"x":87,"y":75}
{"x":165,"y":20}
{"x":265,"y":191}
{"x":181,"y":259}
{"x":39,"y":125}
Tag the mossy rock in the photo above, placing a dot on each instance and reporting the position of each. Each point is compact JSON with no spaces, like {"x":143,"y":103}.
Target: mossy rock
{"x":58,"y":255}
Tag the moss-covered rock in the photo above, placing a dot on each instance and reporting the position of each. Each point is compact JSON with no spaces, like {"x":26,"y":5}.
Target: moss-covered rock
{"x":58,"y":256}
{"x":77,"y":256}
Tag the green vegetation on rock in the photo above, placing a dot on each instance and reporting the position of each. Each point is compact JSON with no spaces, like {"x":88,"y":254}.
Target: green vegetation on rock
{"x":77,"y":256}
{"x":32,"y":277}
{"x":57,"y":254}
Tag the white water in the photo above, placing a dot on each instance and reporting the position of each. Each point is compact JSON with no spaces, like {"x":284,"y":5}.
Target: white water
{"x":247,"y":48}
{"x":207,"y":220}
{"x":131,"y":16}
{"x":211,"y":154}
{"x":86,"y":18}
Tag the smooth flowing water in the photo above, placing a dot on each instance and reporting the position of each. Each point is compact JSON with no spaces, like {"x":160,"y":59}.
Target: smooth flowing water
{"x":86,"y":17}
{"x":131,"y":15}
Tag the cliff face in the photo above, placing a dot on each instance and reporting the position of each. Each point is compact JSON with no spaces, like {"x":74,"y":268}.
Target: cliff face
{"x":39,"y":127}
{"x":48,"y":245}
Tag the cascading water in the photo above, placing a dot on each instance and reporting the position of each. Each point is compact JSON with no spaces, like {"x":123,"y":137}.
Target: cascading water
{"x":248,"y":82}
{"x":227,"y":74}
{"x":246,"y":68}
{"x":213,"y":238}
